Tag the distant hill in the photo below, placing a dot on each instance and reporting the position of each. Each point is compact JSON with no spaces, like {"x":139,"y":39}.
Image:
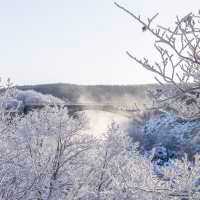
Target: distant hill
{"x":112,"y":94}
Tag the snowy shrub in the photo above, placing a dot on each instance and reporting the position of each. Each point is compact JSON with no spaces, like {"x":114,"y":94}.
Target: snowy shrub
{"x":14,"y":100}
{"x":44,"y":155}
{"x":178,"y":136}
{"x":31,"y":97}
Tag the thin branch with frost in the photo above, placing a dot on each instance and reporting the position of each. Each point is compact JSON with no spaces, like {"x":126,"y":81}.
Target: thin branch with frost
{"x":179,"y":51}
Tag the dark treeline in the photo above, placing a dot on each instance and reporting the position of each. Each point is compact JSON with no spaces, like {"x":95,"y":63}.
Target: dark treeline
{"x":94,"y":93}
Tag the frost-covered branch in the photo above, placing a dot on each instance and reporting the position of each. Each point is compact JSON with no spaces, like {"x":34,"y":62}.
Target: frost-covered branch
{"x":179,"y":49}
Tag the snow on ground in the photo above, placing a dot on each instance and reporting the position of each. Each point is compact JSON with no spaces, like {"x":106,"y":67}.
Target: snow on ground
{"x":99,"y":122}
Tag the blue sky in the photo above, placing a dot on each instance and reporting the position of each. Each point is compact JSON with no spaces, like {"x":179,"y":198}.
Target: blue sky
{"x":78,"y":41}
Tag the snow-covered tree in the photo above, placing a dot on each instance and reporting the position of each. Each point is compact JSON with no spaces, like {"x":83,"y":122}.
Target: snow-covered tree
{"x":178,"y":69}
{"x":44,"y":155}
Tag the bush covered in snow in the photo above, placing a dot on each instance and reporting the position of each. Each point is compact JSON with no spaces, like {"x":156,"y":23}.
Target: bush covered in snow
{"x":17,"y":100}
{"x":177,"y":135}
{"x":45,"y":156}
{"x":31,"y":97}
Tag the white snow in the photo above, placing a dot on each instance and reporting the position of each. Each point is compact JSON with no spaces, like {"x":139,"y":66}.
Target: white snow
{"x":20,"y":99}
{"x":31,"y":97}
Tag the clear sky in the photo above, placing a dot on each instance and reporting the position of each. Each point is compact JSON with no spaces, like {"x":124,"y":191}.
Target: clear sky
{"x":79,"y":41}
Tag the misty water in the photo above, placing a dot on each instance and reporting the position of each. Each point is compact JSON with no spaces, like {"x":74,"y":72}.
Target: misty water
{"x":100,"y":121}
